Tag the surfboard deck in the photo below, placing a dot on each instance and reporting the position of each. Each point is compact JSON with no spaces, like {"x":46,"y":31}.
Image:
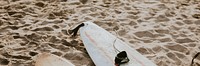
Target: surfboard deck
{"x":46,"y":59}
{"x":99,"y":45}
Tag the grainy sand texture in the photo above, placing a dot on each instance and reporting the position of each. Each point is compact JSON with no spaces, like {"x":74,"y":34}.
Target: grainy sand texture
{"x":165,"y":31}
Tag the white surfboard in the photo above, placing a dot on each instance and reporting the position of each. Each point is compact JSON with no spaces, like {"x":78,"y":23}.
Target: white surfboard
{"x":46,"y":59}
{"x":99,"y":45}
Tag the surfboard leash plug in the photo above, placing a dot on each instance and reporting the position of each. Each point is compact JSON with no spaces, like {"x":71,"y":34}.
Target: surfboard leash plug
{"x":121,"y":58}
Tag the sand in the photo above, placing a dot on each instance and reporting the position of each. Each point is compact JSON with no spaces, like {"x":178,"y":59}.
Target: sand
{"x":165,"y":31}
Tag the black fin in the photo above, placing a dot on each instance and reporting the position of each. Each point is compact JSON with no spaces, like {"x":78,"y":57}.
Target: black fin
{"x":194,"y":58}
{"x":121,"y":58}
{"x":75,"y":30}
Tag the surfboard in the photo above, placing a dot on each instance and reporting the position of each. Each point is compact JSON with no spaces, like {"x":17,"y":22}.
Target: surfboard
{"x":100,"y":44}
{"x":46,"y":59}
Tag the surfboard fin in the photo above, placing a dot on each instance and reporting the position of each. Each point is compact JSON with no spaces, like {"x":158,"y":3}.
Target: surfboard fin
{"x":194,"y":58}
{"x":121,"y":58}
{"x":75,"y":30}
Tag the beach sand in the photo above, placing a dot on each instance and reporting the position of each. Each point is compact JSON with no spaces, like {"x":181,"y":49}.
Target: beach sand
{"x":165,"y":31}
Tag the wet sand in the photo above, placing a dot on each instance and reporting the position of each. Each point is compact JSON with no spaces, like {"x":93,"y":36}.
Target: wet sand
{"x":165,"y":31}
